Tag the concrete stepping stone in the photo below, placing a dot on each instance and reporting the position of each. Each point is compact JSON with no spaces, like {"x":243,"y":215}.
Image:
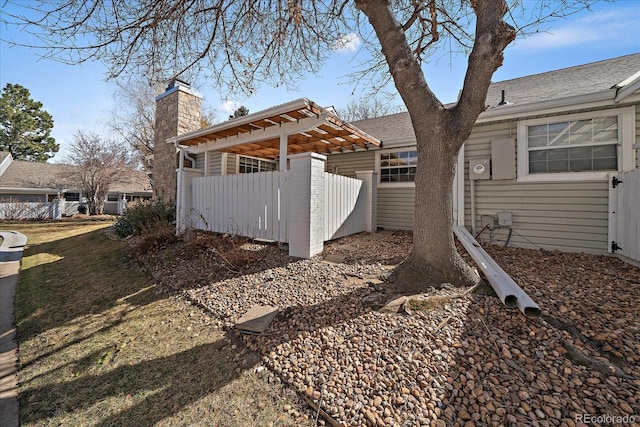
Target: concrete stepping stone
{"x":257,"y":319}
{"x":334,"y":259}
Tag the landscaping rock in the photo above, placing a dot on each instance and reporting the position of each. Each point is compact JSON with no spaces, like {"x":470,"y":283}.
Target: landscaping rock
{"x":467,"y":360}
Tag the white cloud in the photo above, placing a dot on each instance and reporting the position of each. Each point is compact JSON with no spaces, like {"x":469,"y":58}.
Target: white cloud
{"x":347,"y":43}
{"x":596,"y":27}
{"x":228,"y":106}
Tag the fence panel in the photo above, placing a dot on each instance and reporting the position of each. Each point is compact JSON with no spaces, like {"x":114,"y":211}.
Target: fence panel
{"x":345,"y":207}
{"x":624,"y":214}
{"x":252,"y":205}
{"x":26,"y":210}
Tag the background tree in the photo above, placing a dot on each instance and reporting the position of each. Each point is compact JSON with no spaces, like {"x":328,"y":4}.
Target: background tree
{"x":241,"y":111}
{"x":367,"y":108}
{"x":133,"y":121}
{"x":242,"y":43}
{"x":101,"y":164}
{"x":25,"y":128}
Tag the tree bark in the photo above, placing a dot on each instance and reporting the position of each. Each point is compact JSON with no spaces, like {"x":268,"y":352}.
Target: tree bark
{"x":434,"y":259}
{"x":440,"y":133}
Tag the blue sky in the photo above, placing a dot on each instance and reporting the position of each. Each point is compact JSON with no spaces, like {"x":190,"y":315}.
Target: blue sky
{"x":79,"y":98}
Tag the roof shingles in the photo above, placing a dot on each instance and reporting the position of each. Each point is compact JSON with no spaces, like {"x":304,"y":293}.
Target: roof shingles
{"x":567,"y":82}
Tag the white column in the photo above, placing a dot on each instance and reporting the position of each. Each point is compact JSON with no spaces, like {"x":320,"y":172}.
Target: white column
{"x":306,"y":204}
{"x":207,"y":161}
{"x":122,"y":205}
{"x":370,"y":179}
{"x":58,"y":208}
{"x":283,"y":151}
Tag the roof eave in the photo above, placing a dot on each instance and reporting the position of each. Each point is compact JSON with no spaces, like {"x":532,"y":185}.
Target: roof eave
{"x":512,"y":111}
{"x":279,"y":109}
{"x":628,"y":87}
{"x":26,"y":190}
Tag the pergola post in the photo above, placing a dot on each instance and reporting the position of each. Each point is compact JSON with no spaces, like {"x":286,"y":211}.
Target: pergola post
{"x":283,"y":151}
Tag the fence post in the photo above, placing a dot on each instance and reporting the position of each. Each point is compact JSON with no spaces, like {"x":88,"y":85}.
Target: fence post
{"x":370,"y":192}
{"x":58,"y":208}
{"x":122,"y":204}
{"x":184,"y":200}
{"x":306,"y":204}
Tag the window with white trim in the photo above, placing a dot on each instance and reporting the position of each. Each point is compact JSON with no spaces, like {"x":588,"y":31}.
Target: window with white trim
{"x":398,"y":166}
{"x":252,"y":165}
{"x":572,"y":147}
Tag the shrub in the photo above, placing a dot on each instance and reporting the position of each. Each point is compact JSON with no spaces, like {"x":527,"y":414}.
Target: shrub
{"x":145,"y":217}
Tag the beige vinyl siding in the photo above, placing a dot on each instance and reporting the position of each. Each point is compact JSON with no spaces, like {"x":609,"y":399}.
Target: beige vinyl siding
{"x":348,"y":163}
{"x":395,"y":207}
{"x":637,"y":153}
{"x":215,"y":162}
{"x":232,"y":162}
{"x":568,"y":216}
{"x":199,"y":160}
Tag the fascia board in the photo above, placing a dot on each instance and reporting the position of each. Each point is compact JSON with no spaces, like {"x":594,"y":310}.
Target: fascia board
{"x":302,"y":125}
{"x":274,"y":111}
{"x":596,"y":99}
{"x":628,"y":89}
{"x":22,"y":190}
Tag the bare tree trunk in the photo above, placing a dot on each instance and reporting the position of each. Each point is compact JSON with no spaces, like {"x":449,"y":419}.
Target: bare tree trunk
{"x":434,"y":259}
{"x":440,"y":133}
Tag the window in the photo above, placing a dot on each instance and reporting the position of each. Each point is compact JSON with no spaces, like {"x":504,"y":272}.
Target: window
{"x":112,"y":197}
{"x":579,"y":146}
{"x":251,"y":165}
{"x":72,"y":197}
{"x":398,"y":166}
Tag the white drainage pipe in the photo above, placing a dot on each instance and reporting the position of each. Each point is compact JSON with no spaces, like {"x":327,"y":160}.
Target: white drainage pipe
{"x":508,"y":291}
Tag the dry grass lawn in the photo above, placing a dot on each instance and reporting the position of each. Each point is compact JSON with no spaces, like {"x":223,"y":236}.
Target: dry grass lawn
{"x":100,"y":345}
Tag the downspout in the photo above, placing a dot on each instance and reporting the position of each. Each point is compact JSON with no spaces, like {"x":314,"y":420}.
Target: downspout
{"x":180,"y":226}
{"x":188,"y":157}
{"x":472,"y":206}
{"x":508,"y":291}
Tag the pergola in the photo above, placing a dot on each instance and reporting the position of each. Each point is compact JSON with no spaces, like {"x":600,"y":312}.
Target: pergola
{"x":296,"y":127}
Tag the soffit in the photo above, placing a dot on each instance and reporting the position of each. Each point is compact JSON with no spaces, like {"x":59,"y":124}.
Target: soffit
{"x":260,"y":133}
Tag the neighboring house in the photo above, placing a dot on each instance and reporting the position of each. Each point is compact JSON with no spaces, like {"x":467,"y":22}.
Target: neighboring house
{"x":29,"y":189}
{"x":535,"y":172}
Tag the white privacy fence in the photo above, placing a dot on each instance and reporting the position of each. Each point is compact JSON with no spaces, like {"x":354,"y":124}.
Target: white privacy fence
{"x":624,"y":214}
{"x":303,"y":206}
{"x":26,"y":210}
{"x":252,"y":205}
{"x":345,"y":206}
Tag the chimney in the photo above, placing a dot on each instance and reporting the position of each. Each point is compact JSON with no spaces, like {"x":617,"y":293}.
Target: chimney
{"x":177,"y":112}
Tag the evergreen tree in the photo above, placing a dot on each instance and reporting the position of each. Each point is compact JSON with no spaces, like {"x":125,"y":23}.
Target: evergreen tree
{"x":240,"y":112}
{"x":25,"y":127}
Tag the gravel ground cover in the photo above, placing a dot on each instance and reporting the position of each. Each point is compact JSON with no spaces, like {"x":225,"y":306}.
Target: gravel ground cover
{"x":450,"y":357}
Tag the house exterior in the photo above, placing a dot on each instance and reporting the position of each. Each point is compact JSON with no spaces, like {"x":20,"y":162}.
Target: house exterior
{"x":30,"y":190}
{"x":545,"y":148}
{"x":535,"y":172}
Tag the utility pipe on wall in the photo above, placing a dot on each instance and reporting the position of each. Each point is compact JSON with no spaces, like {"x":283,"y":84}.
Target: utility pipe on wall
{"x":472,"y":207}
